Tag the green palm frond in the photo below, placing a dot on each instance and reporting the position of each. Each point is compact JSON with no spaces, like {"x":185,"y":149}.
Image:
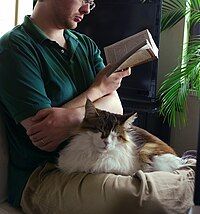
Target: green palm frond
{"x":175,"y":89}
{"x":174,"y":10}
{"x":195,"y":12}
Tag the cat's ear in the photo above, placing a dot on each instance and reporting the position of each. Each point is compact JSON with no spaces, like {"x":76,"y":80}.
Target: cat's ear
{"x":90,"y":110}
{"x":128,"y":122}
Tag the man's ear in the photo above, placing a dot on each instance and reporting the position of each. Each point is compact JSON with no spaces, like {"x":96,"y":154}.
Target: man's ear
{"x":128,"y":122}
{"x":90,"y":110}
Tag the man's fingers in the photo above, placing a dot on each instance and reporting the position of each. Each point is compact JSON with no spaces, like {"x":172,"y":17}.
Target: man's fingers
{"x":46,"y":145}
{"x":36,"y":137}
{"x":123,"y":73}
{"x":106,"y":70}
{"x":49,"y":147}
{"x":40,"y":115}
{"x":33,"y":129}
{"x":41,"y":143}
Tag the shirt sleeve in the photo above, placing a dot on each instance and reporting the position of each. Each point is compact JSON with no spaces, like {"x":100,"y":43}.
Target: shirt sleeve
{"x":96,"y":57}
{"x":21,"y":84}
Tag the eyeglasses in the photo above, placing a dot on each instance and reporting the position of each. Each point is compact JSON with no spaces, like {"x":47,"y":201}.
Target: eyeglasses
{"x":90,"y":2}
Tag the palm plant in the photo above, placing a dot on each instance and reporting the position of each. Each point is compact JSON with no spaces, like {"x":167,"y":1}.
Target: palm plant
{"x":185,"y":77}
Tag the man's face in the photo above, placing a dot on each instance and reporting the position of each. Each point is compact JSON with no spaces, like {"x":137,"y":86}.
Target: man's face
{"x":68,"y":13}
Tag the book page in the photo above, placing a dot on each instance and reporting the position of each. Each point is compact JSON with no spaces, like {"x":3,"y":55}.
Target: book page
{"x":122,"y":59}
{"x":140,"y":57}
{"x":122,"y":54}
{"x":153,"y":44}
{"x":117,"y":50}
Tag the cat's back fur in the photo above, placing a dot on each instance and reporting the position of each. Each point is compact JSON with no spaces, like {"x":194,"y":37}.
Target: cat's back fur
{"x":153,"y":153}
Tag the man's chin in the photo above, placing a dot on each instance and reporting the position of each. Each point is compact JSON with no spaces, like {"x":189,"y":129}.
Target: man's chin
{"x":72,"y":25}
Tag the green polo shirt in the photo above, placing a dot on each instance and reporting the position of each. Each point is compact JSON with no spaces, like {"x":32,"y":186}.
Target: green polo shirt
{"x":37,"y":73}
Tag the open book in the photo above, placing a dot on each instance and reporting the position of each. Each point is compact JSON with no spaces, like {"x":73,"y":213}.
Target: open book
{"x":131,"y":51}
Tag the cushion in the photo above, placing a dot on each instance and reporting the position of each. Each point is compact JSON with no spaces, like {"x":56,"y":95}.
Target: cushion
{"x":194,"y":210}
{"x":87,"y":193}
{"x":3,"y":163}
{"x":5,"y":208}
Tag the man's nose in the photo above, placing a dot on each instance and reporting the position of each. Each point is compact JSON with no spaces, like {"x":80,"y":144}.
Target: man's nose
{"x":85,"y":9}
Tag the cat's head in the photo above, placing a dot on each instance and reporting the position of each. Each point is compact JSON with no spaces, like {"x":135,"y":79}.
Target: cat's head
{"x":106,"y":130}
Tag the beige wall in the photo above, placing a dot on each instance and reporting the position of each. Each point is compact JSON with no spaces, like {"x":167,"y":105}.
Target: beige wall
{"x":171,"y":46}
{"x":171,"y":42}
{"x":186,"y":138}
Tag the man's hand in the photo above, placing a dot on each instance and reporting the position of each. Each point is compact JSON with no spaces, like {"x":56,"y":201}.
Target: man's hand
{"x":108,"y":84}
{"x":102,"y":86}
{"x":52,"y":126}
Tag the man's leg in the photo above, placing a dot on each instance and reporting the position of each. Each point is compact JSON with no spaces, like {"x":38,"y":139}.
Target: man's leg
{"x":54,"y":192}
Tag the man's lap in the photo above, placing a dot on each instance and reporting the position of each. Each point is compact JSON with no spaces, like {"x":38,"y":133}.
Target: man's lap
{"x":52,"y":191}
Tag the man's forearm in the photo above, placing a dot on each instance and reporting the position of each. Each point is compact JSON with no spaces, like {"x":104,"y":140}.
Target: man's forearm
{"x":110,"y":102}
{"x":103,"y":87}
{"x":80,"y":100}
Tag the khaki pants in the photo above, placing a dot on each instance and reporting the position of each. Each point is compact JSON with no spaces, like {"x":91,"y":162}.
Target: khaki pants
{"x":54,"y":192}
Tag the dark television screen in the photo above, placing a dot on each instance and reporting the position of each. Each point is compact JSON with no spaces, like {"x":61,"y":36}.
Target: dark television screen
{"x":113,"y":20}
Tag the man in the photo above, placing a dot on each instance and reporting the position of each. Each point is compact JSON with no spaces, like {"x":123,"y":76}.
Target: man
{"x":47,"y":72}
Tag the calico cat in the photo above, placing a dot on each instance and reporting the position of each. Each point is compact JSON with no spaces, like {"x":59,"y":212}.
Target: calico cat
{"x":109,"y":143}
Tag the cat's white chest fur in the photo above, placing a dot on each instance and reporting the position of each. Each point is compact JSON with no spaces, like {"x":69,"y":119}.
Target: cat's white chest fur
{"x":87,"y":152}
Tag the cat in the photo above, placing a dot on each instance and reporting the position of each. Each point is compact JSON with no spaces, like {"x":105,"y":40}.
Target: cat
{"x":110,"y":143}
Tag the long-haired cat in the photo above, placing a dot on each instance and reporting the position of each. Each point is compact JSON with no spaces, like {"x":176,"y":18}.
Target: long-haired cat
{"x":109,"y":143}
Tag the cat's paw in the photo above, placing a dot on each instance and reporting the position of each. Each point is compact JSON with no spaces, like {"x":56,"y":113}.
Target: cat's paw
{"x":147,"y":167}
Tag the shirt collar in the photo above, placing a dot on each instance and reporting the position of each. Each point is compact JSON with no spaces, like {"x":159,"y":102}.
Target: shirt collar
{"x":34,"y":30}
{"x":69,"y":35}
{"x":72,"y":41}
{"x":40,"y":36}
